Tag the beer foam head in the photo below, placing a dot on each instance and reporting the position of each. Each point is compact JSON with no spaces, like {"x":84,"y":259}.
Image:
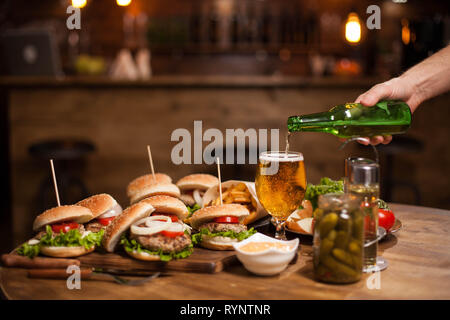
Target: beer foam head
{"x":281,"y":156}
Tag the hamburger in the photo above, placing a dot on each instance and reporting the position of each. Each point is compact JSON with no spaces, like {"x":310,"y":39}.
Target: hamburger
{"x":104,"y":208}
{"x":147,"y":186}
{"x":151,"y":233}
{"x":61,"y":233}
{"x":194,"y":186}
{"x":220,"y":226}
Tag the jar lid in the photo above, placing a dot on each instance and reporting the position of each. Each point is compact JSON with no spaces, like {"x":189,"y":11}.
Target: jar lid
{"x":363,"y":173}
{"x":352,"y":160}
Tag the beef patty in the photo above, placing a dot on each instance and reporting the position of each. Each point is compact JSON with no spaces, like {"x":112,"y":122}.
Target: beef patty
{"x":157,"y":241}
{"x":223,"y":227}
{"x":94,"y":226}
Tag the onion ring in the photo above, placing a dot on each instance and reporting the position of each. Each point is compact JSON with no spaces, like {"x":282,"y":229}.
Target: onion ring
{"x":115,"y":211}
{"x":197,"y":197}
{"x":153,"y":225}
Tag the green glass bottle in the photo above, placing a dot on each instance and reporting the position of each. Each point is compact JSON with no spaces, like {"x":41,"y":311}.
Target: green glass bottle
{"x":355,"y":120}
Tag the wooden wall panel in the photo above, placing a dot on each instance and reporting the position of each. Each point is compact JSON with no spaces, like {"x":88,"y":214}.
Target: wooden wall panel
{"x":121,"y":122}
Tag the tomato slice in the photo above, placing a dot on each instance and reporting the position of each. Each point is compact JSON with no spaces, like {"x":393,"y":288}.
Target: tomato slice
{"x":173,"y":217}
{"x":171,"y":234}
{"x":227,"y":219}
{"x":105,"y":221}
{"x":64,"y":226}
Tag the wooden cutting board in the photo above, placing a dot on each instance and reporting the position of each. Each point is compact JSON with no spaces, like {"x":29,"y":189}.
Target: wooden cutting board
{"x":201,"y":260}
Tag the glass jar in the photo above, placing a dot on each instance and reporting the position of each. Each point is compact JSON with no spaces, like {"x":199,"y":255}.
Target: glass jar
{"x":338,"y":239}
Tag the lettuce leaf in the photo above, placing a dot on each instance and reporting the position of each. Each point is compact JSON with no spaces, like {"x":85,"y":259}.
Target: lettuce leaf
{"x":326,"y":185}
{"x":29,"y":250}
{"x":133,"y":245}
{"x":72,"y":238}
{"x":197,"y":238}
{"x":192,"y":209}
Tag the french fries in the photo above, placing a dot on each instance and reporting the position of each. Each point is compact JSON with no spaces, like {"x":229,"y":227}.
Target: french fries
{"x":240,"y":194}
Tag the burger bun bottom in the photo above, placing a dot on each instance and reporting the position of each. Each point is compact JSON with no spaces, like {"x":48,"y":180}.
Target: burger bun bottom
{"x":65,"y":252}
{"x":217,"y":243}
{"x":143,"y":256}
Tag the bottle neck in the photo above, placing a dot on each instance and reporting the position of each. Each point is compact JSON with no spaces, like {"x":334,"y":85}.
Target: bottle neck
{"x":310,"y":122}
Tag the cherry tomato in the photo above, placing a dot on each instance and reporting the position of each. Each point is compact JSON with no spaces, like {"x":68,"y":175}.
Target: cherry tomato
{"x":171,"y":234}
{"x":64,"y":227}
{"x":227,"y":219}
{"x":386,"y":219}
{"x":173,"y":217}
{"x":105,"y":221}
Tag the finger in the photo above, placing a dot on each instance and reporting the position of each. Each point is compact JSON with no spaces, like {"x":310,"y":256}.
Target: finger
{"x":364,"y":141}
{"x":375,"y":94}
{"x":376,"y":140}
{"x":387,"y":139}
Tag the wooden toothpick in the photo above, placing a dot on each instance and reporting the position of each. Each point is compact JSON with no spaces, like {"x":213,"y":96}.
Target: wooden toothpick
{"x":54,"y":182}
{"x":151,"y":162}
{"x":220,"y":180}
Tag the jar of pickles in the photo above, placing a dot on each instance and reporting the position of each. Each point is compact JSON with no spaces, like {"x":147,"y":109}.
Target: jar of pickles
{"x":338,"y":238}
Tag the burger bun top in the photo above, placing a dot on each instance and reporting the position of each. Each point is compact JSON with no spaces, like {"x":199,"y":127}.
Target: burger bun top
{"x":76,"y":213}
{"x":98,"y":204}
{"x":197,"y":181}
{"x":123,"y":221}
{"x":167,"y":204}
{"x":206,"y":214}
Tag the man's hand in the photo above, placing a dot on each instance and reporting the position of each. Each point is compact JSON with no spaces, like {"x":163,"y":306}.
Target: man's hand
{"x":428,"y":79}
{"x":394,"y":89}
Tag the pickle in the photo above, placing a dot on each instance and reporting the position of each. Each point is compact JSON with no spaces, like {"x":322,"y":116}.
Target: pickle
{"x":341,"y":240}
{"x":343,"y":256}
{"x":326,"y":247}
{"x":338,"y":267}
{"x":358,"y":227}
{"x":332,"y":235}
{"x":357,"y":261}
{"x":354,"y":247}
{"x":327,"y":224}
{"x":344,"y":224}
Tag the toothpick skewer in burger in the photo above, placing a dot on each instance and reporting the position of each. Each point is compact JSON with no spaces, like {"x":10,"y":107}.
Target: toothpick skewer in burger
{"x":104,"y":209}
{"x":64,"y":235}
{"x":151,"y":230}
{"x":194,"y":186}
{"x":148,"y":185}
{"x":220,"y":226}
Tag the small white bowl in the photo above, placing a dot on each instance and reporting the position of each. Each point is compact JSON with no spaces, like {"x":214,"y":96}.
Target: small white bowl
{"x":268,"y":262}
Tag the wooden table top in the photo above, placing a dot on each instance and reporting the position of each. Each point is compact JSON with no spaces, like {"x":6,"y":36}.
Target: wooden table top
{"x":419,"y":268}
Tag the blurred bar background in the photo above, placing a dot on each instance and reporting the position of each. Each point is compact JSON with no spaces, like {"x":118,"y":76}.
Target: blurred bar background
{"x":93,"y":98}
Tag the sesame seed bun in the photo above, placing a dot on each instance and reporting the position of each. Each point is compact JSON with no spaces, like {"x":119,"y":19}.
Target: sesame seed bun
{"x":98,"y":204}
{"x":209,"y":213}
{"x":145,"y":180}
{"x":65,"y":252}
{"x":167,"y":204}
{"x":123,"y":221}
{"x":168,"y":189}
{"x":197,"y":181}
{"x":78,"y":214}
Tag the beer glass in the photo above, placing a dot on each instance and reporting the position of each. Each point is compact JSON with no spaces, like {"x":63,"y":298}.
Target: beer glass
{"x":280,"y":185}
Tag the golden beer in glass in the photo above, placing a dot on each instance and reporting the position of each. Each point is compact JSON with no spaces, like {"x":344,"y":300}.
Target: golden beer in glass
{"x":280,"y":185}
